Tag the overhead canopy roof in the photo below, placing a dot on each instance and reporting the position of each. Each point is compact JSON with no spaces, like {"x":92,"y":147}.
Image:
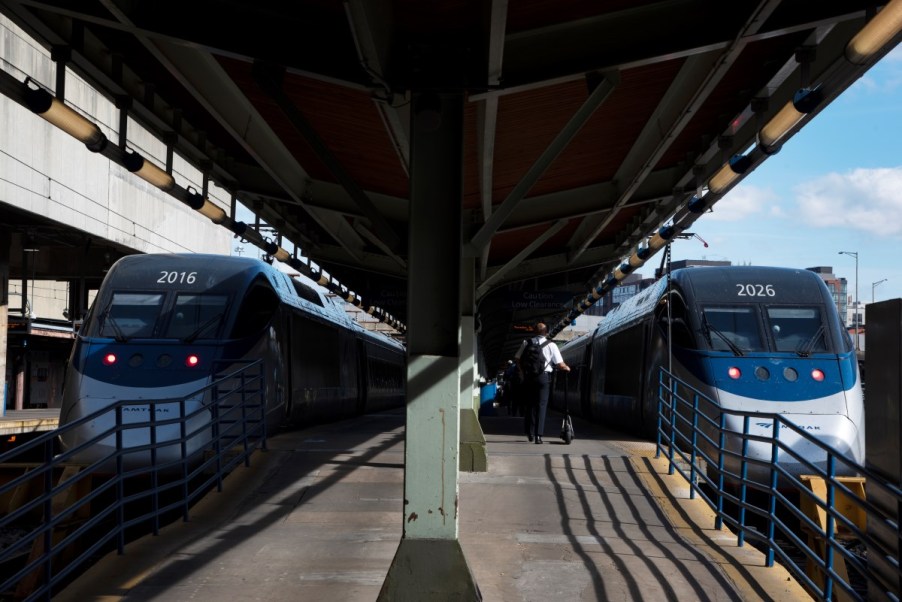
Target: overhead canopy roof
{"x":589,"y":125}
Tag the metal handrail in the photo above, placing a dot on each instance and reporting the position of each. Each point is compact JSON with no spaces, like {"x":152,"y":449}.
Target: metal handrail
{"x":693,"y":435}
{"x":81,"y":510}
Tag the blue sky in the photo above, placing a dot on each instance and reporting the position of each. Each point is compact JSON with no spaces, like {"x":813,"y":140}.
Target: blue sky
{"x":835,"y":186}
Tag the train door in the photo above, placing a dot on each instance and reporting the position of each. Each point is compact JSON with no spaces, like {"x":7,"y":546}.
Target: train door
{"x":670,"y":337}
{"x":655,"y":358}
{"x":596,"y":378}
{"x":582,"y":384}
{"x":624,"y":376}
{"x":363,"y":376}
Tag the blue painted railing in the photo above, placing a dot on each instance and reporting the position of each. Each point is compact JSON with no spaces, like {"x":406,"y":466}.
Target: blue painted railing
{"x":834,"y":524}
{"x":55,"y":515}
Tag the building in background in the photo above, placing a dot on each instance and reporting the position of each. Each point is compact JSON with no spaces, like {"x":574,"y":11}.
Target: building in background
{"x":838,"y":288}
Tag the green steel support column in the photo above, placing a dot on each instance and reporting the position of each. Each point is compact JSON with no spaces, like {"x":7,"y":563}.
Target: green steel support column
{"x":429,"y":563}
{"x":473,"y":456}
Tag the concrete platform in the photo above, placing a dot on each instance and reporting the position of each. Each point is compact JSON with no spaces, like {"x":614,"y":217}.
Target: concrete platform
{"x":21,"y":422}
{"x":318,"y":517}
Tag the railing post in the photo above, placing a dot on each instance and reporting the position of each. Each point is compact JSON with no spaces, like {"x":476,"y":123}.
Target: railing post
{"x":216,"y":432}
{"x":772,"y":507}
{"x":154,"y":480}
{"x":673,"y":412}
{"x":693,"y":482}
{"x":721,"y":442}
{"x":48,"y":518}
{"x":660,"y":406}
{"x":263,"y":408}
{"x":244,"y":432}
{"x":120,"y":485}
{"x":183,"y":442}
{"x":743,"y":475}
{"x":830,"y":541}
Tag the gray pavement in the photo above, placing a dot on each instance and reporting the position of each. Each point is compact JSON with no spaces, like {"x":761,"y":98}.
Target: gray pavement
{"x":318,"y":517}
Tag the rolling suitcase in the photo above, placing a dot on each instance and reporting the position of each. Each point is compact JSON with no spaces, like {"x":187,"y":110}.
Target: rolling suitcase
{"x":567,"y":424}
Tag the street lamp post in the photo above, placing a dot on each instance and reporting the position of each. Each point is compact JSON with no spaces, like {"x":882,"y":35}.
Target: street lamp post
{"x":874,"y":285}
{"x":855,"y":311}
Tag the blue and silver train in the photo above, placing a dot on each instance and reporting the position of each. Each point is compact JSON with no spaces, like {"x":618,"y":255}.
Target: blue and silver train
{"x":162,"y":326}
{"x":752,"y":339}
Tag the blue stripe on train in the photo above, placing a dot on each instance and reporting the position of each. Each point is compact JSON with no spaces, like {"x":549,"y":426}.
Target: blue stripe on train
{"x":712,"y":368}
{"x":149,"y":365}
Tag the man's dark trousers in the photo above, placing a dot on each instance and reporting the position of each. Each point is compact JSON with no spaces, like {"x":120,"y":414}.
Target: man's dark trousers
{"x":540,"y":387}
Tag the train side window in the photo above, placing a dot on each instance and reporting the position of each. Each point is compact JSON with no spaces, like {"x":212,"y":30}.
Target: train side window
{"x":307,"y":293}
{"x":679,"y":324}
{"x":255,"y":312}
{"x":682,"y":335}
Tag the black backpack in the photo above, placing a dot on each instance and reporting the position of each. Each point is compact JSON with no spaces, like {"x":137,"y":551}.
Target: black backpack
{"x":532,"y":360}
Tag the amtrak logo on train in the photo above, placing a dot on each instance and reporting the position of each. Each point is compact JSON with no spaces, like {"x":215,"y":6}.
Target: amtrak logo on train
{"x":804,"y":427}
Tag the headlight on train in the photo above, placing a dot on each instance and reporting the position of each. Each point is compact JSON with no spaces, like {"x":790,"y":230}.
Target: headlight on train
{"x":192,"y":361}
{"x":817,"y":375}
{"x":734,"y":372}
{"x":109,"y":359}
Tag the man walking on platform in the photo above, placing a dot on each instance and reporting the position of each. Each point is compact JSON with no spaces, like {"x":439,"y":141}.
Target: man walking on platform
{"x":537,"y":357}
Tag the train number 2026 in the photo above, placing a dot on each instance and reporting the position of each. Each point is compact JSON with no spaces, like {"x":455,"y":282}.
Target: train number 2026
{"x":756,"y":290}
{"x":167,"y":277}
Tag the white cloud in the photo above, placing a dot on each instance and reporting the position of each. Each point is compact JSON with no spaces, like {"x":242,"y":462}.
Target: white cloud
{"x":869,"y":200}
{"x":742,"y":202}
{"x":777,"y":212}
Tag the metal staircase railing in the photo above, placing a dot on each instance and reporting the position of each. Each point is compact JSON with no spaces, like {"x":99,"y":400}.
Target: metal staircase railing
{"x":56,"y":514}
{"x":835,"y":525}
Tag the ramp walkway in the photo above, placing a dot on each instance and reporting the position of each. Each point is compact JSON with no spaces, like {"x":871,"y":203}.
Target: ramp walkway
{"x":318,"y":517}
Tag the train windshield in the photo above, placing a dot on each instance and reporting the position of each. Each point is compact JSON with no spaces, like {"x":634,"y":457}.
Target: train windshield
{"x":131,"y":315}
{"x":196,"y":316}
{"x":797,"y":329}
{"x":141,"y":315}
{"x":791,"y":329}
{"x":732,"y":328}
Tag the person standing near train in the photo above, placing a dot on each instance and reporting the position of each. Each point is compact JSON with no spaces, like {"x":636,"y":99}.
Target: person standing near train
{"x":537,"y":357}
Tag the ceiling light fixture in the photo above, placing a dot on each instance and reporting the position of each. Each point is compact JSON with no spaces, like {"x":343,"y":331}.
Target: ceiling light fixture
{"x":148,"y":172}
{"x":803,"y":102}
{"x":881,"y":29}
{"x":57,"y":113}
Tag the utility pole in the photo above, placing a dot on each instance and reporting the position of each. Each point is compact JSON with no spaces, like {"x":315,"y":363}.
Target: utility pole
{"x":855,"y":314}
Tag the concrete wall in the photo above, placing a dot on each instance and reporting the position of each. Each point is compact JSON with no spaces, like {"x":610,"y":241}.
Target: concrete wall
{"x":45,"y":171}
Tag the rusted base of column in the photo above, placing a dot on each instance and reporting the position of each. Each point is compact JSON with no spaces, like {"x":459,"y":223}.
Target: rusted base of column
{"x":429,"y":569}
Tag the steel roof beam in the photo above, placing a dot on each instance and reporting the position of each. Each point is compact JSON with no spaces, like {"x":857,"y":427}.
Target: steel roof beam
{"x":371,"y":30}
{"x":601,"y":91}
{"x":487,"y":120}
{"x":697,"y":80}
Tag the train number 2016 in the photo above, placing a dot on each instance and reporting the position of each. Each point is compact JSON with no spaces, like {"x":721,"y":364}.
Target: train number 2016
{"x":167,"y":277}
{"x":756,"y":290}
